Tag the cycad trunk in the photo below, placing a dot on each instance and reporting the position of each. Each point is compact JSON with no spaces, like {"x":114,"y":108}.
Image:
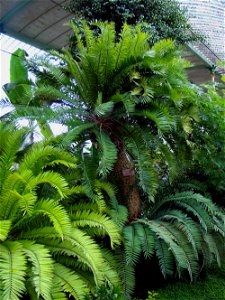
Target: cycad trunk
{"x":125,"y":173}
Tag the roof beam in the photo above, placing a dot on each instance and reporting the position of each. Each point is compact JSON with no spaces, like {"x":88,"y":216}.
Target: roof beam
{"x":13,"y":11}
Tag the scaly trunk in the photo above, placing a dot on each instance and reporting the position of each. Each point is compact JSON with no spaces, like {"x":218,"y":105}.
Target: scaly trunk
{"x":125,"y":173}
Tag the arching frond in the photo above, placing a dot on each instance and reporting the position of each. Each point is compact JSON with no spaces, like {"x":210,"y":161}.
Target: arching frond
{"x":56,"y":213}
{"x":93,"y":219}
{"x":53,"y":179}
{"x":69,"y":281}
{"x":42,"y":156}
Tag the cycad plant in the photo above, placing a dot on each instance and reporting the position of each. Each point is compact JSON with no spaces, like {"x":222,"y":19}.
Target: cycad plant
{"x":184,"y":230}
{"x":48,"y":250}
{"x":128,"y":100}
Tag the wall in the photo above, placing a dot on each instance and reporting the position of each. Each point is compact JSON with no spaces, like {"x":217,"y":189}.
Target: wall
{"x":208,"y":17}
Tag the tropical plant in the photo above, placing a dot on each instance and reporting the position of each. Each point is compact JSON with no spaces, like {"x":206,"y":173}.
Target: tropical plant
{"x":185,"y":231}
{"x":48,"y":250}
{"x":128,"y":100}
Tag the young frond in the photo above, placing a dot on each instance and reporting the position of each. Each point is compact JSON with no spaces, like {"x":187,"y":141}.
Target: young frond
{"x":12,"y":270}
{"x":42,"y":268}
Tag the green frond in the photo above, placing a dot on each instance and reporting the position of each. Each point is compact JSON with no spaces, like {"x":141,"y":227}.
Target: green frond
{"x":119,"y":214}
{"x":93,"y":219}
{"x":145,"y":170}
{"x":5,"y":226}
{"x":185,"y":224}
{"x":54,"y":70}
{"x":40,"y":234}
{"x":73,"y":134}
{"x":89,"y":175}
{"x":57,"y":214}
{"x":26,"y":202}
{"x":128,"y":101}
{"x":146,"y":238}
{"x":108,"y":153}
{"x":42,"y":268}
{"x":111,"y":267}
{"x":53,"y":179}
{"x":195,"y":205}
{"x":165,"y":257}
{"x":9,"y":205}
{"x":12,"y":270}
{"x":163,"y":120}
{"x":127,"y":275}
{"x":49,"y":93}
{"x":69,"y":281}
{"x":213,"y":248}
{"x":82,"y":247}
{"x":132,"y":245}
{"x":41,"y":156}
{"x":104,"y":108}
{"x":219,"y":225}
{"x":107,"y":187}
{"x":11,"y":142}
{"x":182,"y":250}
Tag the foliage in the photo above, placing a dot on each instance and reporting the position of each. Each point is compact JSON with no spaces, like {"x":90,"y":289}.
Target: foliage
{"x":48,"y":249}
{"x":106,"y":293}
{"x":163,"y":18}
{"x":185,"y":231}
{"x":130,"y":100}
{"x":209,"y":140}
{"x":132,"y":116}
{"x":152,"y":295}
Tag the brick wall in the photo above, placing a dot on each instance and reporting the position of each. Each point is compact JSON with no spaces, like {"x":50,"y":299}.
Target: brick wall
{"x":208,"y":17}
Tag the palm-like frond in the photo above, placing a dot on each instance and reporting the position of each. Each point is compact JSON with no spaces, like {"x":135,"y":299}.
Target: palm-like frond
{"x":41,"y":156}
{"x":12,"y":270}
{"x":145,"y":170}
{"x":42,"y":268}
{"x":33,"y":196}
{"x":69,"y":281}
{"x":108,"y":153}
{"x":56,"y":213}
{"x":93,"y":219}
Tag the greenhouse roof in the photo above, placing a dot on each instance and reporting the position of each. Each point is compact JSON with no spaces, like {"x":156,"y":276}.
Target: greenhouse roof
{"x":40,"y":23}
